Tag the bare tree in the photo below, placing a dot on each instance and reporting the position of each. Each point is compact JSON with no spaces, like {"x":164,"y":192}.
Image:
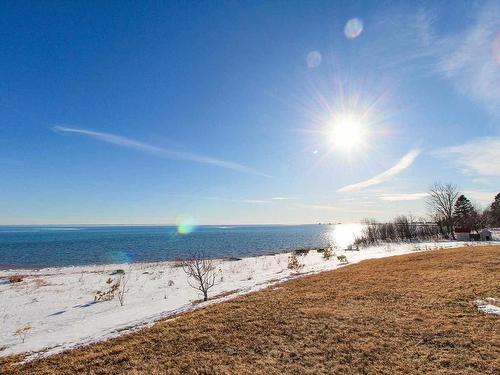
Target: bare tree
{"x":441,"y":202}
{"x":479,"y":219}
{"x":201,"y":273}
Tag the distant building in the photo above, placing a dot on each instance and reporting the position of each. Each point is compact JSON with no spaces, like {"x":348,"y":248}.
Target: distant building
{"x":463,"y":234}
{"x":485,"y":235}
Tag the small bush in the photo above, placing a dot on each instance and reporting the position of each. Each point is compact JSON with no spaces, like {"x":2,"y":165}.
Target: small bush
{"x":294,"y":264}
{"x":342,"y":259}
{"x":327,"y":254}
{"x":110,"y":293}
{"x":15,"y":279}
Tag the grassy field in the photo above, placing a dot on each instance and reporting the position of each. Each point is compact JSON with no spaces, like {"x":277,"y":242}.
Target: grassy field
{"x":408,"y":314}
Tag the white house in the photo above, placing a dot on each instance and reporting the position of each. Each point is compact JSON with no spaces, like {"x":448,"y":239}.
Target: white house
{"x":485,"y":235}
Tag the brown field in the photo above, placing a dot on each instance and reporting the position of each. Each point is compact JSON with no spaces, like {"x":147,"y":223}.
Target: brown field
{"x":409,"y":314}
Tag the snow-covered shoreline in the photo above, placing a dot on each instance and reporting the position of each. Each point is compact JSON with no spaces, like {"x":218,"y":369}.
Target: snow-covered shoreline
{"x":56,"y":304}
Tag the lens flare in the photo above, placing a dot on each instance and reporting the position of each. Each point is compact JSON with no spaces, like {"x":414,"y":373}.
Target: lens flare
{"x":186,"y":226}
{"x":313,"y":59}
{"x":120,"y":257}
{"x":353,"y":28}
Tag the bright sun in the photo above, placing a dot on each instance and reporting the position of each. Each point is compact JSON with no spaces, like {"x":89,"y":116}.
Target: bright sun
{"x":347,"y":132}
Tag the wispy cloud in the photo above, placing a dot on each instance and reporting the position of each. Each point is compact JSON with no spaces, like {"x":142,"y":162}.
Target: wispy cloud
{"x":471,"y":58}
{"x":402,"y":196}
{"x":259,"y":201}
{"x":283,"y":198}
{"x":158,"y":151}
{"x":405,"y":162}
{"x":479,"y":156}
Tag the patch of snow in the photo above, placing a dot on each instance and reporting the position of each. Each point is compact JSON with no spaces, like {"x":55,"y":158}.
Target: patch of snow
{"x":58,"y":303}
{"x":489,"y":305}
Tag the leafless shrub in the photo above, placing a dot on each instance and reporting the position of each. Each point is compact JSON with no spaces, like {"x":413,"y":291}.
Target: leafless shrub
{"x":294,"y":264}
{"x":200,"y":272}
{"x":404,"y":228}
{"x":327,"y":253}
{"x":122,"y":288}
{"x":342,"y":259}
{"x":15,"y":279}
{"x":22,"y":331}
{"x":110,"y":293}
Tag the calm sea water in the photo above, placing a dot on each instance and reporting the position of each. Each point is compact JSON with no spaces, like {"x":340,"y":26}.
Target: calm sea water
{"x":46,"y":246}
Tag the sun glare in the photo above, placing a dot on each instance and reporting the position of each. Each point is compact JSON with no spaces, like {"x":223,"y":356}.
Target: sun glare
{"x":347,"y":132}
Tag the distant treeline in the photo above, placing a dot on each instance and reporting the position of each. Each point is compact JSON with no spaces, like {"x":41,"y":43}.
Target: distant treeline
{"x":448,"y":210}
{"x":404,"y":228}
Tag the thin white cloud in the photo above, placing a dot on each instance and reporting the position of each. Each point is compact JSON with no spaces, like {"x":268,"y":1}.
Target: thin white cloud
{"x":402,"y":196}
{"x":158,"y":151}
{"x":254,"y":201}
{"x":470,"y":58}
{"x":480,"y":156}
{"x":405,"y":162}
{"x":283,"y":198}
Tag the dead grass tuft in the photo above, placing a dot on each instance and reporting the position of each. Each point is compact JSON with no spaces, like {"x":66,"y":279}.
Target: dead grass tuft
{"x":15,"y":279}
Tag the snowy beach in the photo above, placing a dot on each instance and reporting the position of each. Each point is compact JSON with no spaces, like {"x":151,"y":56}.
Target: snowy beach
{"x":55,"y":306}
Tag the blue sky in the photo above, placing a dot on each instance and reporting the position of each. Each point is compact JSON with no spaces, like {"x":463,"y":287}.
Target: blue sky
{"x":243,"y":112}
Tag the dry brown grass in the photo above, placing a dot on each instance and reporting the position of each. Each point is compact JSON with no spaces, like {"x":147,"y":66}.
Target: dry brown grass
{"x":410,"y":314}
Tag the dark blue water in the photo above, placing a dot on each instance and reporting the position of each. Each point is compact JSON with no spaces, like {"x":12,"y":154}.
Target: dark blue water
{"x":45,"y":246}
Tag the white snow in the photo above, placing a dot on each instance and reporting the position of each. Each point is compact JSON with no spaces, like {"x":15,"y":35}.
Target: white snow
{"x":489,"y":305}
{"x":57,"y":303}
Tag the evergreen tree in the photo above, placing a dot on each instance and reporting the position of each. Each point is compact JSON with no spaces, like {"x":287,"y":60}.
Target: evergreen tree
{"x":495,"y":212}
{"x":463,"y":212}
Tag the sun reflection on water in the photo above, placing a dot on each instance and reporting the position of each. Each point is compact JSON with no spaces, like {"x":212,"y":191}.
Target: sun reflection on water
{"x":343,"y":235}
